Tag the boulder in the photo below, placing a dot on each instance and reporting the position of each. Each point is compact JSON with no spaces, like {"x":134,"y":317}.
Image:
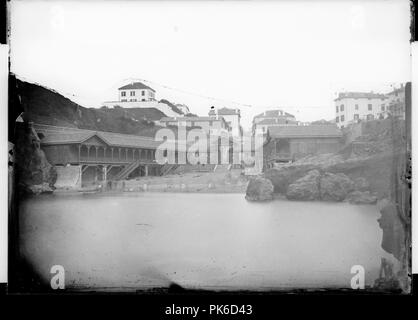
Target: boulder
{"x":361,"y":197}
{"x":283,"y":177}
{"x":335,"y":186}
{"x":305,"y":188}
{"x":33,"y":170}
{"x":361,"y":184}
{"x":394,"y":238}
{"x":259,"y":189}
{"x":39,"y":188}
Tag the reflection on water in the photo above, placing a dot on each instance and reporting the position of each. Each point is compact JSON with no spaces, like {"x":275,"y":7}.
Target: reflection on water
{"x":211,"y":241}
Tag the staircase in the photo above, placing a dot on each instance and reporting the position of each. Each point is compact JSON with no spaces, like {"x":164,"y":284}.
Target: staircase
{"x":167,"y":168}
{"x":127,"y":171}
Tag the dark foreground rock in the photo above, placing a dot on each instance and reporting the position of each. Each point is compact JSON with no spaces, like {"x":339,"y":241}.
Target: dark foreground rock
{"x":361,"y":184}
{"x":335,"y":186}
{"x":259,"y":189}
{"x":394,"y":236}
{"x":361,"y":197}
{"x":34,"y":174}
{"x":39,"y":188}
{"x":305,"y":188}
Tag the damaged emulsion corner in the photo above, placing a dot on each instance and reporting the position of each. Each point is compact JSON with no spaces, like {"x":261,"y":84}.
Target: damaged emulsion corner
{"x":36,"y":169}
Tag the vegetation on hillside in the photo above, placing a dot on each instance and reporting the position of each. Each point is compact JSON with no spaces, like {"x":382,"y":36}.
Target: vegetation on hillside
{"x":45,"y":106}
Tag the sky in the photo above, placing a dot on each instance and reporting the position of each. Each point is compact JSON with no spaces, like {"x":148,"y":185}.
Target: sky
{"x":252,"y":55}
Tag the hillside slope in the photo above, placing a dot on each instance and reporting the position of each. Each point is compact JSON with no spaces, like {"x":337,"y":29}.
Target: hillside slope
{"x":45,"y":106}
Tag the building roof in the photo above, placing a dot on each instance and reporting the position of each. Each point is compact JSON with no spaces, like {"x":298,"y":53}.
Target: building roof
{"x":397,"y":90}
{"x":360,"y":95}
{"x":63,"y":135}
{"x":189,"y":119}
{"x":228,"y":111}
{"x":136,"y":85}
{"x":312,"y":131}
{"x":270,"y":121}
{"x":274,"y":114}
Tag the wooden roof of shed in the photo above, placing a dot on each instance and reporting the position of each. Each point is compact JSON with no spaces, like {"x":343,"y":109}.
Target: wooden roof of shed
{"x":312,"y":131}
{"x":64,"y":135}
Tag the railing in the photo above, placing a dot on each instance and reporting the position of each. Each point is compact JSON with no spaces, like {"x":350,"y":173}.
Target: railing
{"x":113,"y":161}
{"x":128,"y":170}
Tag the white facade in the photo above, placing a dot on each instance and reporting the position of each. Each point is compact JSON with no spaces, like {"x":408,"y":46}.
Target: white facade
{"x":210,"y":125}
{"x":133,"y":95}
{"x":350,"y":109}
{"x":233,"y":119}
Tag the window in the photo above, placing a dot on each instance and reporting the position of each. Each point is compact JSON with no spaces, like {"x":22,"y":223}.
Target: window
{"x":342,"y":118}
{"x":337,"y":119}
{"x":356,"y":106}
{"x":369,"y":107}
{"x":382,"y":107}
{"x":123,"y":94}
{"x":132,"y":93}
{"x":336,"y":108}
{"x":123,"y":100}
{"x":143,"y":92}
{"x":342,"y":107}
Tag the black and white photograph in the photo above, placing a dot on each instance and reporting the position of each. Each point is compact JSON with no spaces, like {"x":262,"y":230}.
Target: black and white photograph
{"x":209,"y":146}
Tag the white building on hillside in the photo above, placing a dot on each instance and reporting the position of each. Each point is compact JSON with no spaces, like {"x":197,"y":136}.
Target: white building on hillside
{"x":351,"y":107}
{"x":139,"y":95}
{"x":136,"y":91}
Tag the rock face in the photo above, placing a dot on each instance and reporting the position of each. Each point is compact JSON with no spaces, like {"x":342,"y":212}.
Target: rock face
{"x":259,"y":189}
{"x":39,"y":188}
{"x":305,"y":188}
{"x":394,"y":237}
{"x":361,"y":197}
{"x":34,"y":173}
{"x":361,"y":184}
{"x":335,"y":186}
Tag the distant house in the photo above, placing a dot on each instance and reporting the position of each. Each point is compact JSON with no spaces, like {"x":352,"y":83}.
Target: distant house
{"x":265,"y":124}
{"x":351,"y":107}
{"x":272,"y":118}
{"x":136,"y":91}
{"x":211,"y":125}
{"x":233,"y":119}
{"x":139,"y":95}
{"x":289,"y":143}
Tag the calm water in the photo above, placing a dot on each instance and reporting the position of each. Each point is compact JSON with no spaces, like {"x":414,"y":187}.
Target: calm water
{"x":214,"y":241}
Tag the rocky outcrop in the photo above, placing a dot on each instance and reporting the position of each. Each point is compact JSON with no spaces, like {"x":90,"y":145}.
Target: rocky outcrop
{"x":361,"y":184}
{"x":39,"y":188}
{"x":326,"y":186}
{"x":34,"y":174}
{"x":335,"y":186}
{"x":259,"y":189}
{"x":369,"y":174}
{"x":305,"y":188}
{"x":394,"y":237}
{"x":361,"y":197}
{"x":283,"y":177}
